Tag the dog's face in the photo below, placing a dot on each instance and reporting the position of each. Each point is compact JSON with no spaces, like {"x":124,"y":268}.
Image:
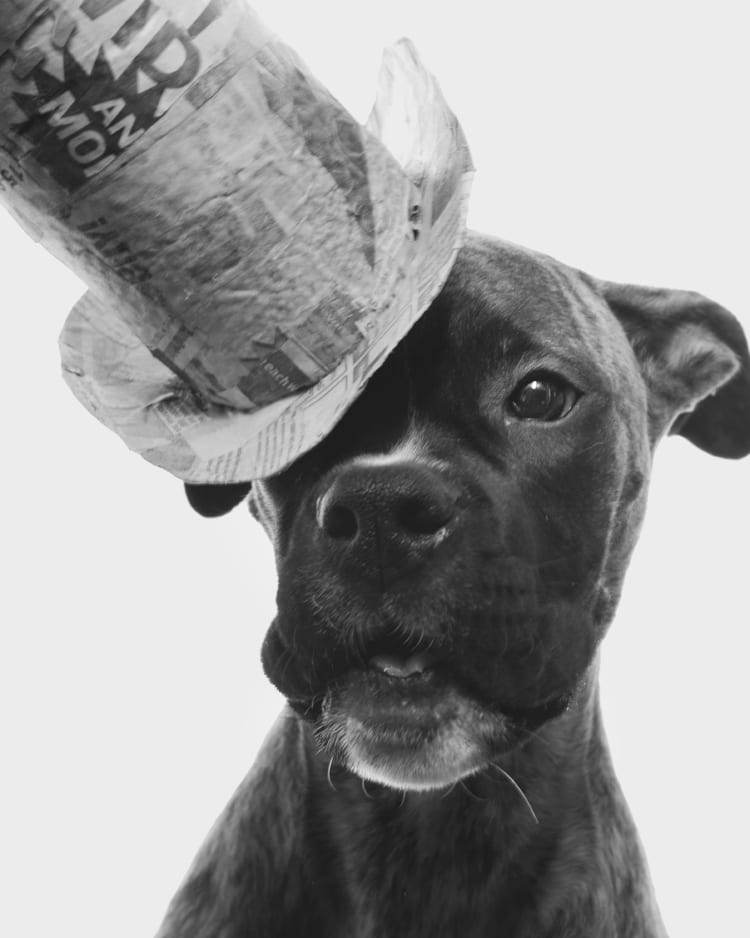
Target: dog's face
{"x":451,"y":555}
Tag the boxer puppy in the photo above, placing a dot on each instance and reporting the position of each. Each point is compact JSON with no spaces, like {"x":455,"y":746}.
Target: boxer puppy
{"x":449,"y":559}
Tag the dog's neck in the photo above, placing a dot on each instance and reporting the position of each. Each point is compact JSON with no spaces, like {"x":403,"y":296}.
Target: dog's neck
{"x":321,"y":854}
{"x":519,"y":859}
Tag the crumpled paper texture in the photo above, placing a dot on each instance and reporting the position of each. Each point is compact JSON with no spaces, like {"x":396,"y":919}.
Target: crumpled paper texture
{"x":252,"y":252}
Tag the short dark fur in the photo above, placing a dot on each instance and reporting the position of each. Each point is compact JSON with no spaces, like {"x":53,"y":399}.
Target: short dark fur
{"x":497,"y":547}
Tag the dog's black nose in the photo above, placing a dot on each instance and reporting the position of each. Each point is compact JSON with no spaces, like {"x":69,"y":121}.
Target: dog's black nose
{"x":389,"y":513}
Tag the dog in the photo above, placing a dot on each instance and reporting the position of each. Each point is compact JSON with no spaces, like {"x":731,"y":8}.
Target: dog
{"x":449,"y":560}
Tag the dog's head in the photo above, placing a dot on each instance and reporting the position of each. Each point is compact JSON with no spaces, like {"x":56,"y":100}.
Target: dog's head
{"x":451,"y":555}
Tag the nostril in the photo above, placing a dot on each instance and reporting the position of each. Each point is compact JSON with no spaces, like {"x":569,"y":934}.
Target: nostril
{"x":422,"y":517}
{"x":338,"y":521}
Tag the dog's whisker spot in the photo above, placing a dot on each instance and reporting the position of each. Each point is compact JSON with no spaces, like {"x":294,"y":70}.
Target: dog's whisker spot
{"x":517,"y":787}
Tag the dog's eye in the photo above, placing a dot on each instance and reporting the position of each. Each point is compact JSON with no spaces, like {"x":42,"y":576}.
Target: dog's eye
{"x":542,"y":397}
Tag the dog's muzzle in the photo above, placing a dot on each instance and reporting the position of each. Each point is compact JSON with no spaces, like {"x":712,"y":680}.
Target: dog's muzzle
{"x":412,"y":628}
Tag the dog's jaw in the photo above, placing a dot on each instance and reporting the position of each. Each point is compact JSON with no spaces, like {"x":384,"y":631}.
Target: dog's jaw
{"x":410,"y":734}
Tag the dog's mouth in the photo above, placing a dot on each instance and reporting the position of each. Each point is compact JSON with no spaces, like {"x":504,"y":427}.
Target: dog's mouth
{"x":393,"y":693}
{"x":406,"y":713}
{"x":405,"y":666}
{"x":401,"y":716}
{"x":402,"y":723}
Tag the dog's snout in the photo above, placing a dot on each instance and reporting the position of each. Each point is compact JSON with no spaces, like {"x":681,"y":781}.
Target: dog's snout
{"x":401,"y":507}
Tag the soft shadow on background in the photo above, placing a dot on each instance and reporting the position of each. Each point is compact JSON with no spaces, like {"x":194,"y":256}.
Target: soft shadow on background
{"x":131,"y":695}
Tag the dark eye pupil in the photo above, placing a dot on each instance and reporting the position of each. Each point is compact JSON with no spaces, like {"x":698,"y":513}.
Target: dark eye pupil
{"x":535,"y":399}
{"x":542,"y":397}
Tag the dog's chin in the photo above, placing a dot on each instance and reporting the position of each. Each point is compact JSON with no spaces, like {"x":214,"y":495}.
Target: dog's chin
{"x":417,"y":733}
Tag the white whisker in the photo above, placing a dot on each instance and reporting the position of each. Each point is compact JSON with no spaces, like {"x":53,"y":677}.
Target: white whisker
{"x":328,"y":774}
{"x":448,"y":791}
{"x":517,"y":787}
{"x":470,"y":793}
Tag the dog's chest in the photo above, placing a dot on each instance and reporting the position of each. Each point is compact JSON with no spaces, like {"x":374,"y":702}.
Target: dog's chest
{"x":411,"y":875}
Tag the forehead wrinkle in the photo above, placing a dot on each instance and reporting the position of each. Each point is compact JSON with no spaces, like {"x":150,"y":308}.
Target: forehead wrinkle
{"x":584,"y":340}
{"x":608,"y":346}
{"x":534,"y":316}
{"x":598,"y":326}
{"x":518,"y":310}
{"x":499,"y":283}
{"x":495,"y":272}
{"x":585,"y":319}
{"x":533,"y":294}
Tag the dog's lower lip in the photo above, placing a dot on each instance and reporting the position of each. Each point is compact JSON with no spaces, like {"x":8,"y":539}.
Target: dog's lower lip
{"x":392,"y":703}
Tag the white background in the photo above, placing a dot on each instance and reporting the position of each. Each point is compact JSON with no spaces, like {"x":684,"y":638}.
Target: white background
{"x":613,"y":136}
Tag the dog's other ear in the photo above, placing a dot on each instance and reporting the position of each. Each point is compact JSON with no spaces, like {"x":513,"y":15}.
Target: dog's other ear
{"x":211,"y":501}
{"x":694,"y":357}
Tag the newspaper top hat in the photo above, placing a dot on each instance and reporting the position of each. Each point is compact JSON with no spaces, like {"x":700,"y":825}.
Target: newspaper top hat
{"x":252,"y":253}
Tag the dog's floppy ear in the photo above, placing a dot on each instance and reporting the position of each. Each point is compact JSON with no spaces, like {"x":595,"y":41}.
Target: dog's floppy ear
{"x":694,"y":357}
{"x":211,"y":501}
